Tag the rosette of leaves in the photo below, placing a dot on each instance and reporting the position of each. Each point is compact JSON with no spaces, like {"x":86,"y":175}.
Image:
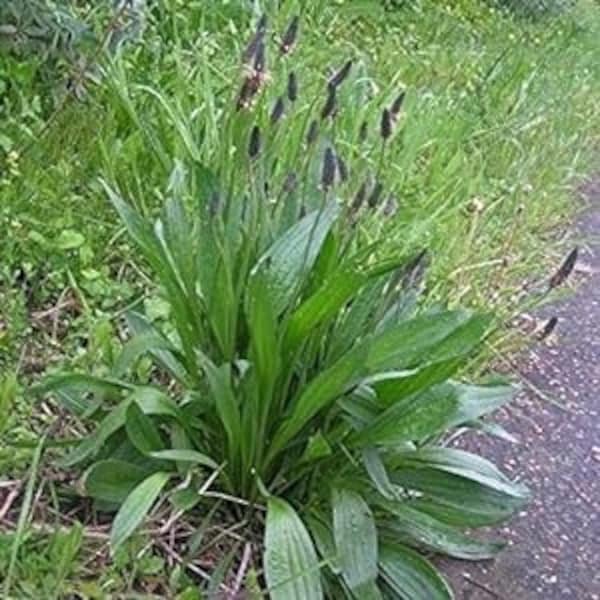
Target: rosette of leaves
{"x":294,"y":376}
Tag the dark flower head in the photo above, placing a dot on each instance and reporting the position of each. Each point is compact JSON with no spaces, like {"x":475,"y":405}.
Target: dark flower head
{"x":250,"y":52}
{"x":278,"y":110}
{"x":375,"y":195}
{"x":549,"y":327}
{"x":565,"y":269}
{"x":386,"y":124}
{"x":328,"y":170}
{"x":330,"y":103}
{"x":254,"y":143}
{"x":313,"y":132}
{"x":397,"y":104}
{"x":260,"y":60}
{"x":359,"y":198}
{"x":290,"y":36}
{"x":340,"y":76}
{"x":342,"y":169}
{"x":292,"y":87}
{"x":249,"y":90}
{"x":363,"y":132}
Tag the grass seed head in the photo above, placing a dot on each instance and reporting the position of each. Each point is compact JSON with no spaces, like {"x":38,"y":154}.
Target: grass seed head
{"x":342,"y":169}
{"x":292,"y":87}
{"x":260,"y":58}
{"x":548,"y":328}
{"x":340,"y":76}
{"x":330,"y":103}
{"x":290,"y":183}
{"x":329,"y":168}
{"x":248,"y":91}
{"x":254,"y":143}
{"x":390,"y":208}
{"x":375,"y":195}
{"x":386,"y":124}
{"x":397,"y":104}
{"x":363,"y":132}
{"x":278,"y":110}
{"x":249,"y":53}
{"x":565,"y":269}
{"x":288,"y":41}
{"x":359,"y":197}
{"x":313,"y":132}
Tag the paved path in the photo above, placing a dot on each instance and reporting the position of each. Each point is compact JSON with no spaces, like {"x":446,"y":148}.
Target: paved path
{"x":554,"y":551}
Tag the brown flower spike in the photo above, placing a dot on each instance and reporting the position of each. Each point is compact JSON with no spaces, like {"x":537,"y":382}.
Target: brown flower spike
{"x":564,"y":270}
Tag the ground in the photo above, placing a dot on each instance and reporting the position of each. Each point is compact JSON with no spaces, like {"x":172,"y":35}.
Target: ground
{"x":553,"y":551}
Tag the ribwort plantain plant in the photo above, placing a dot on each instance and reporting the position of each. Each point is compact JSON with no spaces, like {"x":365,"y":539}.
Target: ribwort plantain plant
{"x":295,"y":373}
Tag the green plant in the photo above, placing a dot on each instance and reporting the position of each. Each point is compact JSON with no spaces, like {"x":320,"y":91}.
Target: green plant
{"x":295,"y":368}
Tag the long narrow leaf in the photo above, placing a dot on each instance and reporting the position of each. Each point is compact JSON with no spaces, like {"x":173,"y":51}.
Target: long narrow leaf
{"x":136,"y":507}
{"x":291,"y":563}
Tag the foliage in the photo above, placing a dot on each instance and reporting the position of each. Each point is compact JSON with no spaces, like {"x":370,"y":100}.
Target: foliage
{"x":294,"y":366}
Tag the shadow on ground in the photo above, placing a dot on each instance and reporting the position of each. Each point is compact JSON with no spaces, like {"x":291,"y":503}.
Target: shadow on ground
{"x":554,"y":546}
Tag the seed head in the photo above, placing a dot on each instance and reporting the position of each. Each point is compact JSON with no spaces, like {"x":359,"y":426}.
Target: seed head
{"x":313,"y":132}
{"x":330,"y":104}
{"x":549,"y":327}
{"x":386,"y":124}
{"x":363,"y":132}
{"x":342,"y":169}
{"x":413,"y":272}
{"x":328,"y":170}
{"x":290,"y":183}
{"x":261,"y":26}
{"x":278,"y":110}
{"x":340,"y":76}
{"x":390,"y":208}
{"x":564,"y":270}
{"x":359,"y":198}
{"x":375,"y":195}
{"x":249,"y":89}
{"x":289,"y":37}
{"x":254,"y":143}
{"x":258,"y":37}
{"x":397,"y":104}
{"x":292,"y":87}
{"x":260,"y":60}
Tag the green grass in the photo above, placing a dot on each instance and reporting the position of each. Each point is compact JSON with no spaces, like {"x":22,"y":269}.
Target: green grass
{"x":501,"y":120}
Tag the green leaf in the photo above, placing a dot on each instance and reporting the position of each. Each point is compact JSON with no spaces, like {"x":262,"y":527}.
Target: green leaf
{"x":70,"y":240}
{"x":427,"y":338}
{"x":151,"y":401}
{"x":324,"y":304}
{"x":431,"y":412}
{"x":411,"y":576}
{"x":146,"y":343}
{"x":464,"y":464}
{"x":378,"y":473}
{"x":135,"y":508}
{"x":139,"y":326}
{"x":320,"y":392}
{"x":263,"y":329}
{"x":112,"y":480}
{"x":142,"y":432}
{"x":421,"y":530}
{"x":191,"y":456}
{"x":292,"y":256}
{"x":355,"y":537}
{"x":290,"y":561}
{"x":81,"y":382}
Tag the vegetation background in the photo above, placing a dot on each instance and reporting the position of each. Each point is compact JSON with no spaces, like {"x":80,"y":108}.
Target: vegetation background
{"x":500,"y":123}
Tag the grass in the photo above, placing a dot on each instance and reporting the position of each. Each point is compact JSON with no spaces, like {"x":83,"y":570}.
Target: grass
{"x":500,"y":120}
